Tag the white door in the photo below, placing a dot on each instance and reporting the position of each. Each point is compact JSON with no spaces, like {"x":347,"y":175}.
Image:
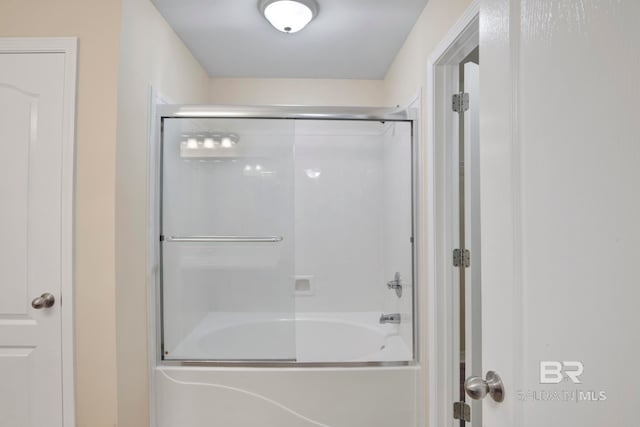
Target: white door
{"x":560,"y":200}
{"x":31,"y":143}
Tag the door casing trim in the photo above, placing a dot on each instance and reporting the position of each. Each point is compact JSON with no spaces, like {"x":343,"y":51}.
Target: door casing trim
{"x":461,"y":39}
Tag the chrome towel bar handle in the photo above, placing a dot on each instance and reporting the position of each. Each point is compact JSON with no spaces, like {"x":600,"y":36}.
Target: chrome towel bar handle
{"x":222,"y":239}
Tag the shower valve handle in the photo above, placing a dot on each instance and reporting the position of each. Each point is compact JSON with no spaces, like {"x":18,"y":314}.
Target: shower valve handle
{"x":396,"y":284}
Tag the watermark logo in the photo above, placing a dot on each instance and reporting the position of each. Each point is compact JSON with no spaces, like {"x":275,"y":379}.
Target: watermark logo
{"x":562,"y":396}
{"x":555,"y":372}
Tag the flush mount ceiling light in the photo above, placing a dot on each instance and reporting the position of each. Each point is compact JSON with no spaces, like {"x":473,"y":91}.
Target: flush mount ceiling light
{"x":289,"y":16}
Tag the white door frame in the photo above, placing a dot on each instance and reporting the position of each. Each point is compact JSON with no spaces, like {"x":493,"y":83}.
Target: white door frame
{"x":69,"y":47}
{"x":461,"y":39}
{"x":153,"y":255}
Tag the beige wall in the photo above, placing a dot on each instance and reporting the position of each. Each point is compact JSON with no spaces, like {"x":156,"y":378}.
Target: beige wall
{"x":150,"y":54}
{"x":327,"y":92}
{"x":96,"y":24}
{"x":408,"y":72}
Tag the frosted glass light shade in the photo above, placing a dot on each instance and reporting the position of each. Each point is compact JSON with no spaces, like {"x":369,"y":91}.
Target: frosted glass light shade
{"x":289,"y":16}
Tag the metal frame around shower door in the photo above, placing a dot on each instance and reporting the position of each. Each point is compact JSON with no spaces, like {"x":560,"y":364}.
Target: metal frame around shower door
{"x":286,"y":113}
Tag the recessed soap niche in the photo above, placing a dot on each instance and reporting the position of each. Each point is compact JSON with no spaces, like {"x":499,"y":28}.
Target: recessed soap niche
{"x":303,"y":286}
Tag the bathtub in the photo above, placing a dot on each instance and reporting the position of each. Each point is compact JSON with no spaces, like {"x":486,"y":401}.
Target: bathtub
{"x":307,"y":338}
{"x":317,"y":394}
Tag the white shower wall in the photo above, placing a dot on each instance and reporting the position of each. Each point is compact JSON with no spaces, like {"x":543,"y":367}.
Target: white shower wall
{"x":353,"y":221}
{"x":397,"y":227}
{"x":339,"y":215}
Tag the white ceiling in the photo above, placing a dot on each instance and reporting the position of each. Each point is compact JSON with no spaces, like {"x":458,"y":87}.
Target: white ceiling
{"x":351,"y":39}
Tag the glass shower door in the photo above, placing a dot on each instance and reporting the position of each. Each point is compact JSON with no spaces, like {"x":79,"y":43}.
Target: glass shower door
{"x":227,"y":240}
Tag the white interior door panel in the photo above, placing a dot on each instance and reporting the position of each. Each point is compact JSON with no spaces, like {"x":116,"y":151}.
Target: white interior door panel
{"x":31,"y":134}
{"x":560,"y":207}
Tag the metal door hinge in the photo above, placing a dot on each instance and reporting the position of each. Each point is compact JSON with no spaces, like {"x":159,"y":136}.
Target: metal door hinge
{"x":461,"y":411}
{"x":461,"y":257}
{"x":460,"y":102}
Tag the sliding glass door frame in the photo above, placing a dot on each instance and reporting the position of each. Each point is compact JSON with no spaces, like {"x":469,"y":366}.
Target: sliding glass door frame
{"x":297,"y":113}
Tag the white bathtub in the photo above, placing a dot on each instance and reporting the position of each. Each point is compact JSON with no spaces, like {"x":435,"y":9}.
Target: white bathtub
{"x":312,"y":337}
{"x":296,"y":396}
{"x":287,"y":397}
{"x":293,"y":396}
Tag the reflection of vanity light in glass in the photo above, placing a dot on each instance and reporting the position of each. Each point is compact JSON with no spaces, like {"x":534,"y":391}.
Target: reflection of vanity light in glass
{"x":226,"y":142}
{"x":256,"y":170}
{"x":313,"y":173}
{"x":209,"y":145}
